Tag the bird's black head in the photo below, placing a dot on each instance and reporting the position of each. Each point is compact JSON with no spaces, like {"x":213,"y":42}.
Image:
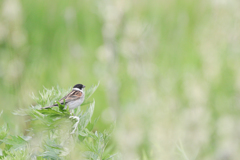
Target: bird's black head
{"x":80,"y":86}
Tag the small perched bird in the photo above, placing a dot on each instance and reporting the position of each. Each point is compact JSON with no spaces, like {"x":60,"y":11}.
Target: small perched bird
{"x":73,"y":99}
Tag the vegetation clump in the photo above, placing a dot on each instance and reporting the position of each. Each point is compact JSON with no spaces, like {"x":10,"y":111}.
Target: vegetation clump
{"x":56,"y":133}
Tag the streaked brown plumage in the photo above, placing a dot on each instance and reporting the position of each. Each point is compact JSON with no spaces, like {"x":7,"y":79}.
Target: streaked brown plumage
{"x":72,"y":99}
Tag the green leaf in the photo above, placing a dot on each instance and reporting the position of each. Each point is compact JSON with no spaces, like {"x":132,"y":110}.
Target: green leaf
{"x":85,"y":119}
{"x":61,"y":106}
{"x":51,"y":150}
{"x":91,"y":125}
{"x":22,"y":154}
{"x":15,"y":142}
{"x":82,"y":135}
{"x":54,"y":113}
{"x":50,"y":112}
{"x":3,"y":132}
{"x":21,"y":112}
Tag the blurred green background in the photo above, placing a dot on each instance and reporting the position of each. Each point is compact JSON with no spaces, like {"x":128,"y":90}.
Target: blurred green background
{"x":168,"y":70}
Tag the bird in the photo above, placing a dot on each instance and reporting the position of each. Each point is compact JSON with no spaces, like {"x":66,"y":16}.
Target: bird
{"x":73,"y":99}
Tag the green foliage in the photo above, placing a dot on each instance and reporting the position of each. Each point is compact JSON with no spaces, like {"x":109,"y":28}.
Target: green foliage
{"x":3,"y":132}
{"x":170,"y":69}
{"x":56,"y":134}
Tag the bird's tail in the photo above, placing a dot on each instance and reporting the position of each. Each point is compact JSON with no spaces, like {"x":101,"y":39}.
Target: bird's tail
{"x":48,"y":107}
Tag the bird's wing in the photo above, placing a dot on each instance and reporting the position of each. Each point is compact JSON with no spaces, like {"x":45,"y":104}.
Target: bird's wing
{"x":72,"y":96}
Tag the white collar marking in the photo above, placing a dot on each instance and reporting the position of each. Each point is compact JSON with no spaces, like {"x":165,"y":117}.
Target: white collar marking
{"x":77,"y":89}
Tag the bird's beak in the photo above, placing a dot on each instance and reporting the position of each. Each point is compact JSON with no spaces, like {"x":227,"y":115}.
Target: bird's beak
{"x":84,"y":86}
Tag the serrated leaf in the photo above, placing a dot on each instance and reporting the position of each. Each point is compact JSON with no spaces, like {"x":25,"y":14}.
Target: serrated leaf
{"x":49,"y":112}
{"x":51,"y":150}
{"x":36,"y":114}
{"x":22,"y":154}
{"x":91,"y":125}
{"x":53,"y":113}
{"x":86,"y":117}
{"x":16,"y":142}
{"x":91,"y":134}
{"x":21,"y":112}
{"x":82,"y":135}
